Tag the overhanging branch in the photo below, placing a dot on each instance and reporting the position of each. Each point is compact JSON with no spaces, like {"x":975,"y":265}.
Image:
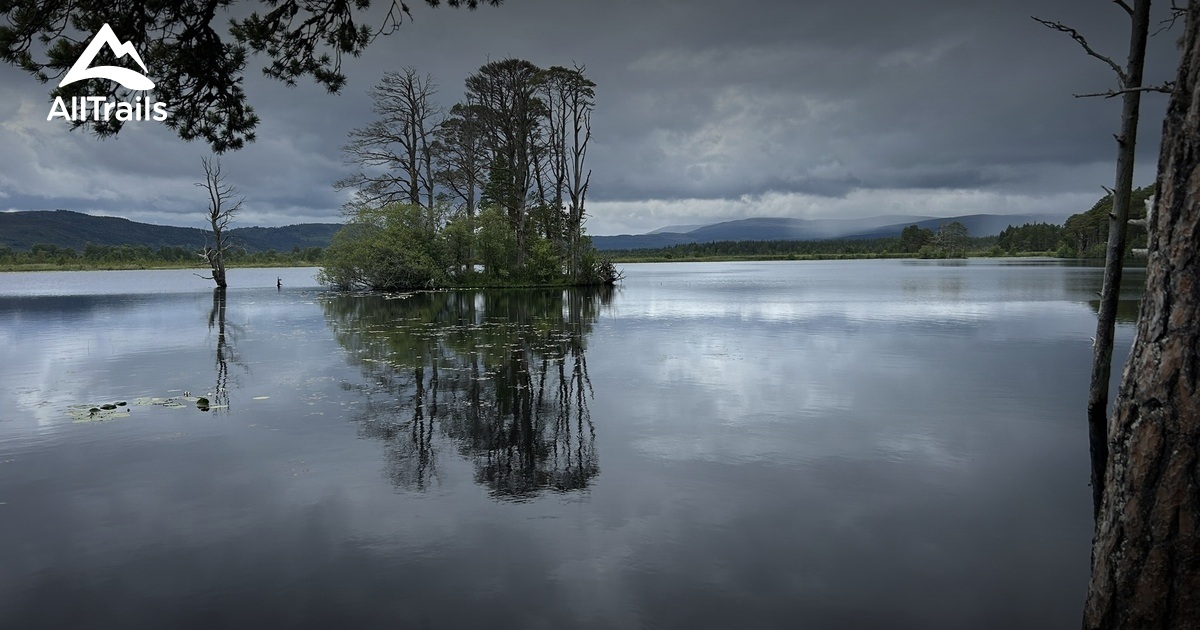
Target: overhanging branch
{"x":1059,"y":26}
{"x":1165,"y":88}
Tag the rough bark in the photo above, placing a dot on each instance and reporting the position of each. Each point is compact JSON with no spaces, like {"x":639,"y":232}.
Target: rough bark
{"x":1146,"y":555}
{"x":1110,"y":293}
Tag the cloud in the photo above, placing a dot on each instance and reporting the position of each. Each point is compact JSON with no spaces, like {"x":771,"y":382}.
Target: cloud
{"x":635,"y":217}
{"x":701,"y":106}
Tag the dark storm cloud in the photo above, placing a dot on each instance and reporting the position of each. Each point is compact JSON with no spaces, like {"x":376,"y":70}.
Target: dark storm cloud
{"x":704,"y":109}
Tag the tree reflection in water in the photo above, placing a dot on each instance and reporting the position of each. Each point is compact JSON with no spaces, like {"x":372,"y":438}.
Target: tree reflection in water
{"x":226,"y":336}
{"x":500,"y":376}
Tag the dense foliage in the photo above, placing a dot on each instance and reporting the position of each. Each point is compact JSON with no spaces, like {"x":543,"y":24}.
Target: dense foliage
{"x":1031,"y":237}
{"x":913,"y":238}
{"x":404,"y":246}
{"x":1085,"y":235}
{"x":952,"y":240}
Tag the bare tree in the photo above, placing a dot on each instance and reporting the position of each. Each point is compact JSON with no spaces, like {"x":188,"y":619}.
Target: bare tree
{"x":1130,"y":88}
{"x":570,"y":99}
{"x":223,"y":204}
{"x":1146,"y":555}
{"x":394,"y":152}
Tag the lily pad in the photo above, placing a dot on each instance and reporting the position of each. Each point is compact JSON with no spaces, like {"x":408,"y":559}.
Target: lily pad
{"x":92,"y":413}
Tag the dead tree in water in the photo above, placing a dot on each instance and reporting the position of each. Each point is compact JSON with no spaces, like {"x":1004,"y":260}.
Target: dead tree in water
{"x":1129,"y":83}
{"x":223,"y":205}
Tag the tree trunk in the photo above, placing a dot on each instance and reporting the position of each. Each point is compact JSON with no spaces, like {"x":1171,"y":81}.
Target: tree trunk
{"x":1115,"y":256}
{"x":1146,"y":556}
{"x":219,"y":271}
{"x":216,"y":255}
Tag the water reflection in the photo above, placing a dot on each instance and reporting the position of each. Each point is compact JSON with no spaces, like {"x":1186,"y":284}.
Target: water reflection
{"x":500,"y":377}
{"x":1133,"y":283}
{"x":225,"y":351}
{"x":1127,"y":310}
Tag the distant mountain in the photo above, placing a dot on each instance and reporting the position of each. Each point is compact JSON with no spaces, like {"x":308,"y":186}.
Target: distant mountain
{"x":677,"y":229}
{"x":282,"y":239}
{"x":775,"y":229}
{"x":65,"y":228}
{"x":23,"y":230}
{"x":641,"y":241}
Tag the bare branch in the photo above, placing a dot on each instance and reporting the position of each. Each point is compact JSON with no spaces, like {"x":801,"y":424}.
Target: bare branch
{"x":1121,"y":3}
{"x":1165,"y":88}
{"x":393,"y":152}
{"x":223,"y":204}
{"x":1059,"y":26}
{"x":1169,"y":23}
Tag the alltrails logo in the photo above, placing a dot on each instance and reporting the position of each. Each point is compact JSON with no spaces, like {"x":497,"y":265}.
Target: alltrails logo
{"x":99,"y":108}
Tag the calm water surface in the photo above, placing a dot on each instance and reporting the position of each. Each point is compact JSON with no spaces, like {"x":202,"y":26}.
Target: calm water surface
{"x":852,"y":444}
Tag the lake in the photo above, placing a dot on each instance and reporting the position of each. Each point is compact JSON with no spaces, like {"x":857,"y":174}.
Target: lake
{"x":841,"y":444}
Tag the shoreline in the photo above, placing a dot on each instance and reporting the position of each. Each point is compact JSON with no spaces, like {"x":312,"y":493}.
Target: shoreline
{"x":131,"y":266}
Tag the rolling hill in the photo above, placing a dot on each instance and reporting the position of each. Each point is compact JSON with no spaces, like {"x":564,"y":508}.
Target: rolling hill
{"x":775,"y":229}
{"x":65,"y":228}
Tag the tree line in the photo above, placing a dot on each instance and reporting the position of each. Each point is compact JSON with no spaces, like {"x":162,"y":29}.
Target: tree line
{"x":492,"y":190}
{"x":107,"y":256}
{"x":1085,"y":235}
{"x":951,"y":240}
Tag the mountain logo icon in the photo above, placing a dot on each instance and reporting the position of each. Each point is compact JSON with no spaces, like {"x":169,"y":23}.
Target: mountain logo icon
{"x":130,"y":79}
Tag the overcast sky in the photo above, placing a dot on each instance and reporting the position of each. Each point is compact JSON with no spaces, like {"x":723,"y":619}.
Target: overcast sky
{"x":706,"y":110}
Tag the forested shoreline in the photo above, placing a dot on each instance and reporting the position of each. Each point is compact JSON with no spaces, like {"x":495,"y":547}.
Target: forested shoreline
{"x":49,"y":257}
{"x":1032,"y":240}
{"x":445,"y":242}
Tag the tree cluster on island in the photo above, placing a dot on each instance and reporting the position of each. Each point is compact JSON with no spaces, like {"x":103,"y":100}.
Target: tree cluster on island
{"x":490,"y":192}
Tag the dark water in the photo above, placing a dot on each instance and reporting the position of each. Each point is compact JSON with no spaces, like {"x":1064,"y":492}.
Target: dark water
{"x":874,"y":444}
